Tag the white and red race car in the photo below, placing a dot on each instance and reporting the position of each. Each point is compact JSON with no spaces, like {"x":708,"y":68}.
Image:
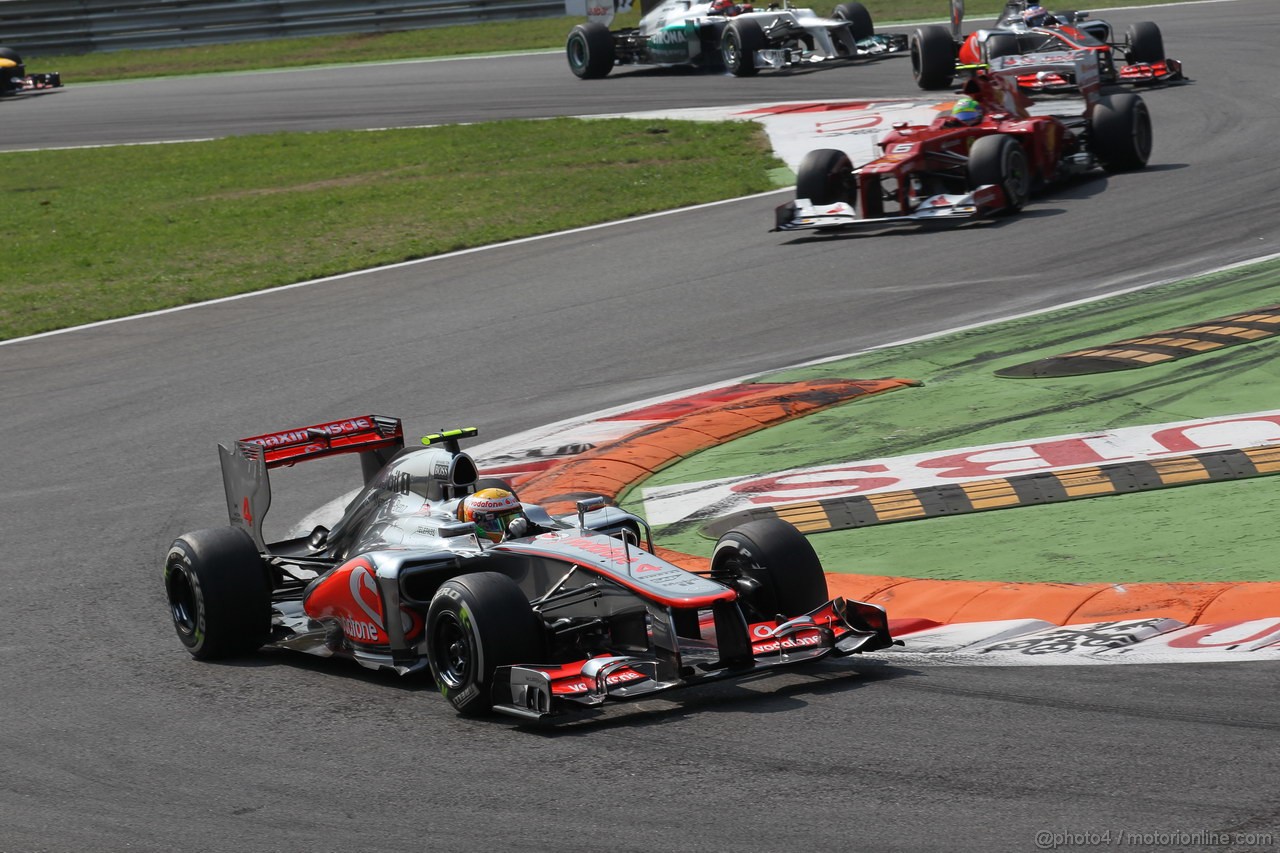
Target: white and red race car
{"x":535,"y":619}
{"x":1024,"y":28}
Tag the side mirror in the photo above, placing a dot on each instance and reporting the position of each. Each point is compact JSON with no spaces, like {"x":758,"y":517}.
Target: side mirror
{"x":588,"y":505}
{"x":318,"y":538}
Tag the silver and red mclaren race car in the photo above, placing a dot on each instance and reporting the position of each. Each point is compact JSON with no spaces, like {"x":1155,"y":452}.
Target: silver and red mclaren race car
{"x":1027,"y":29}
{"x":725,"y":35}
{"x":955,"y":170}
{"x":14,"y":78}
{"x":537,"y":619}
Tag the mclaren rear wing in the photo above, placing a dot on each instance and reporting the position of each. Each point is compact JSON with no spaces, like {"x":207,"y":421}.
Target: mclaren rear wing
{"x":245,"y":463}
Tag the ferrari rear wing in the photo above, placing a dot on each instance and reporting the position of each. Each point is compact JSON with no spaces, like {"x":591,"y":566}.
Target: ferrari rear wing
{"x":245,"y":463}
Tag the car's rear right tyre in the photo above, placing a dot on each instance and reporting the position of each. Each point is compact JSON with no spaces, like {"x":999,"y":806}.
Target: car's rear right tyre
{"x":933,"y":57}
{"x":741,"y":40}
{"x":219,"y":593}
{"x":477,"y":623}
{"x":589,"y":50}
{"x":784,"y":571}
{"x":824,"y":176}
{"x":1120,"y":132}
{"x":999,"y":159}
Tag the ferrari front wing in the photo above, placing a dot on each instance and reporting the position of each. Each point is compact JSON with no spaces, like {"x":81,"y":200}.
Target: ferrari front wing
{"x":802,"y":214}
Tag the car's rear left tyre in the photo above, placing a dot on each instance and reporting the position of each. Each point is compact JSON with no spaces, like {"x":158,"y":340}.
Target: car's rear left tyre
{"x":824,"y":176}
{"x":589,"y":50}
{"x":1120,"y":132}
{"x":933,"y":57}
{"x":1146,"y":43}
{"x":741,"y":40}
{"x":219,"y":593}
{"x":860,"y":25}
{"x":475,"y":624}
{"x":11,"y":55}
{"x":779,"y":564}
{"x":999,"y":159}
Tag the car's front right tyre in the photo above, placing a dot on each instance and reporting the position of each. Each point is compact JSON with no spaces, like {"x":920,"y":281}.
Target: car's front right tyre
{"x":589,"y":50}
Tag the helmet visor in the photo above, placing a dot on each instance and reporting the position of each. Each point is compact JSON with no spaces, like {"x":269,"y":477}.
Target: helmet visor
{"x":494,"y":523}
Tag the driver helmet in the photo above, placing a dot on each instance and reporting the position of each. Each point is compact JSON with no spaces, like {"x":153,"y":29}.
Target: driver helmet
{"x":967,"y":111}
{"x":1036,"y":16}
{"x":491,"y":511}
{"x":728,"y":8}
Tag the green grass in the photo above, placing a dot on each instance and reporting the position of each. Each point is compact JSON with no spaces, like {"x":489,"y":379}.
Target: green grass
{"x":100,"y":233}
{"x":492,"y":37}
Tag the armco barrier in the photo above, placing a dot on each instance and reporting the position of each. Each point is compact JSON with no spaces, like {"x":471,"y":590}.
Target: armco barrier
{"x":83,"y":26}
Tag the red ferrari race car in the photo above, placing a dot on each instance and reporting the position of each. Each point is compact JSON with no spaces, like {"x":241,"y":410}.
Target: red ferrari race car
{"x":14,"y":78}
{"x":1027,"y":29}
{"x":986,"y":156}
{"x":434,"y":569}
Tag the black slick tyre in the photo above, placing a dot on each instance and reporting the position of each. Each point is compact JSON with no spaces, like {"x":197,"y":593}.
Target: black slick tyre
{"x":779,"y":564}
{"x":218,"y":592}
{"x":860,"y":25}
{"x":1146,"y":43}
{"x":741,"y":40}
{"x":475,"y":624}
{"x":824,"y":176}
{"x":1120,"y":132}
{"x":589,"y":50}
{"x":933,"y":57}
{"x":999,"y":159}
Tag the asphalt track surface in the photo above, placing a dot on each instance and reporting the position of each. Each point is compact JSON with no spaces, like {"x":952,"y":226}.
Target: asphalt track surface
{"x":113,"y":739}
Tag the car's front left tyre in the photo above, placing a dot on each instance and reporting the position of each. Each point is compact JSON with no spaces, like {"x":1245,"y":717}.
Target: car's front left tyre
{"x":218,"y":592}
{"x":742,"y":39}
{"x":477,"y":623}
{"x":860,"y":25}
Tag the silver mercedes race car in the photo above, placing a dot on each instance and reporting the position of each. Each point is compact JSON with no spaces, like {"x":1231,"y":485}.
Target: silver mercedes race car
{"x":725,"y":35}
{"x":432,"y":568}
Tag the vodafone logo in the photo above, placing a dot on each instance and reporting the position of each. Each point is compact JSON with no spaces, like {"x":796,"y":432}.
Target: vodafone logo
{"x":364,"y":591}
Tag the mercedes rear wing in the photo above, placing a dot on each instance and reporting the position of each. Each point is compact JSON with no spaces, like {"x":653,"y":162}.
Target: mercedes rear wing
{"x":245,"y":463}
